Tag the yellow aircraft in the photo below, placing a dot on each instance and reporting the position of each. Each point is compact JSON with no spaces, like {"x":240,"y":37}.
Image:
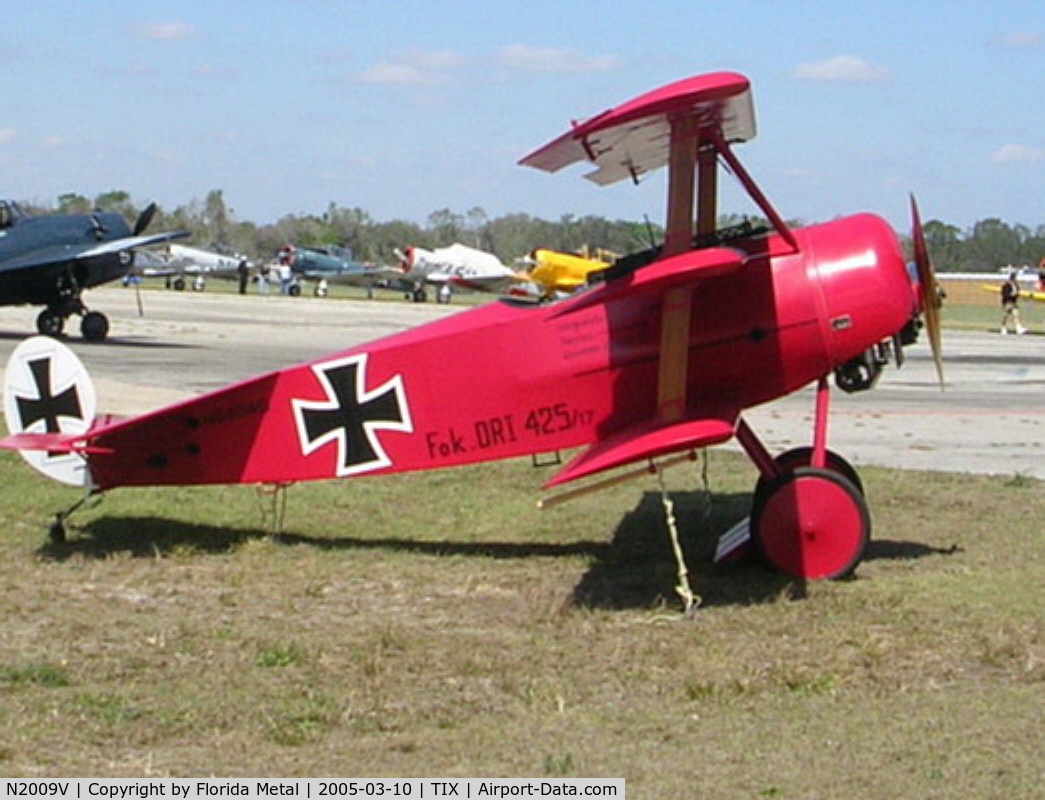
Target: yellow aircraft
{"x":1037,"y":293}
{"x":563,"y":273}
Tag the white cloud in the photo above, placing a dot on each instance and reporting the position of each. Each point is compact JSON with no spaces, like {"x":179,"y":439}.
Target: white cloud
{"x":844,"y":69}
{"x":1017,"y":154}
{"x":414,"y":68}
{"x":165,"y":31}
{"x":551,"y":59}
{"x":6,"y":135}
{"x":1020,"y":40}
{"x":427,"y":68}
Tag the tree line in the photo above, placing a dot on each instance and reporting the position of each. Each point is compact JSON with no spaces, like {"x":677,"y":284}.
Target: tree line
{"x":985,"y":247}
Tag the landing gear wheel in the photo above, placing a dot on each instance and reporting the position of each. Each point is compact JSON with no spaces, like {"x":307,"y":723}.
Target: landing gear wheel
{"x":94,"y":326}
{"x":790,"y":460}
{"x":50,"y":323}
{"x":811,"y":524}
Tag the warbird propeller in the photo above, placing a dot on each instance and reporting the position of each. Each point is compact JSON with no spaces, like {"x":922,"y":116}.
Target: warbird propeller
{"x":662,"y":356}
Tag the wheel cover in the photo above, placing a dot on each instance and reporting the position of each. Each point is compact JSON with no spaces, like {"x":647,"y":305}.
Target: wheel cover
{"x":812,"y":524}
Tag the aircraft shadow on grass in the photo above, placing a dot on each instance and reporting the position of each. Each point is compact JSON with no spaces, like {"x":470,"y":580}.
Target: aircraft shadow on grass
{"x":638,"y":569}
{"x":635,"y":569}
{"x":152,"y":536}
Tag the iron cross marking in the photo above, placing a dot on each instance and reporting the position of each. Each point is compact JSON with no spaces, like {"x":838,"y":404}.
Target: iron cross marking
{"x":47,"y":406}
{"x":351,"y":416}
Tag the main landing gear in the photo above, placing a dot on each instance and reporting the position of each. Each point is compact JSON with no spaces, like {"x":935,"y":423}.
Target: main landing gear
{"x":94,"y":325}
{"x":809,"y":518}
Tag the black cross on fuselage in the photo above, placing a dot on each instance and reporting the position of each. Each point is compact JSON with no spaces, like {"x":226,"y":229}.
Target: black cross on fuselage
{"x":351,"y":418}
{"x":46,"y":406}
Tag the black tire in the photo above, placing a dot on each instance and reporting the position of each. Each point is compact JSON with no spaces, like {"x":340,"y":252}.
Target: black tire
{"x":95,"y":326}
{"x":50,"y":323}
{"x":790,"y":460}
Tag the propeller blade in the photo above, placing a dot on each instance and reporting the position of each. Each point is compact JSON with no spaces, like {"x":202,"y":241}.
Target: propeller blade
{"x":144,"y":219}
{"x":930,"y":294}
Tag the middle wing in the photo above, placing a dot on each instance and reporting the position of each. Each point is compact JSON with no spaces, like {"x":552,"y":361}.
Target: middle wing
{"x":678,"y":424}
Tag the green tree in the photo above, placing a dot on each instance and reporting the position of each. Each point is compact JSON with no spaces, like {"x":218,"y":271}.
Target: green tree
{"x":945,"y":245}
{"x":117,"y":201}
{"x":72,"y":203}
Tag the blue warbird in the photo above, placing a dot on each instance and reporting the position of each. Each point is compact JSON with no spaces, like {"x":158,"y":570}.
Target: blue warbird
{"x":49,"y":260}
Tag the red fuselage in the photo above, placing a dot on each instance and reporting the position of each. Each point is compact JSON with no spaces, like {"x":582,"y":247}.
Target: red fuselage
{"x":506,"y":380}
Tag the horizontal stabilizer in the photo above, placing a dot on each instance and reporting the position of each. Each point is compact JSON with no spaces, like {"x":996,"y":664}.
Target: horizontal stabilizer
{"x":51,"y":443}
{"x":662,"y":275}
{"x":646,"y":441}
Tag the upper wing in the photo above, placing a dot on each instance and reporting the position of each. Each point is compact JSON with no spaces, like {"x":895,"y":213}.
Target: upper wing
{"x":633,"y":139}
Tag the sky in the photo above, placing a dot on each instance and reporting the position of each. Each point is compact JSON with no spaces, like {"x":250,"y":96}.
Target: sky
{"x":405,"y":107}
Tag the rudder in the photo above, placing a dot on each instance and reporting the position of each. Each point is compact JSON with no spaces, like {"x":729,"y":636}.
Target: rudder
{"x":49,"y":395}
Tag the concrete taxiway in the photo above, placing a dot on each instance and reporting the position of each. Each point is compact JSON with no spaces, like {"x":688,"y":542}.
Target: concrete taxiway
{"x":989,"y":419}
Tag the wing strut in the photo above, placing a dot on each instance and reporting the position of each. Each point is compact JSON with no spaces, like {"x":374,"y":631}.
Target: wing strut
{"x":756,"y":194}
{"x":692,"y":181}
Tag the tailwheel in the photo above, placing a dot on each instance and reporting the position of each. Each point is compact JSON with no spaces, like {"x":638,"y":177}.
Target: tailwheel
{"x":50,"y":322}
{"x":811,"y":523}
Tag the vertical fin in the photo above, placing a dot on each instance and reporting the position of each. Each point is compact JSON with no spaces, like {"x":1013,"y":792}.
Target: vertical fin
{"x":47,"y":391}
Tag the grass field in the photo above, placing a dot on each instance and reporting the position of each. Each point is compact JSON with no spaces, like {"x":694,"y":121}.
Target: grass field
{"x":439,"y":625}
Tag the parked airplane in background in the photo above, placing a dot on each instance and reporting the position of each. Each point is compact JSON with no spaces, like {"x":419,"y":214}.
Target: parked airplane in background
{"x":199,"y":263}
{"x":456,"y":266}
{"x":557,"y":274}
{"x":657,"y":360}
{"x":333,"y":265}
{"x":49,"y":261}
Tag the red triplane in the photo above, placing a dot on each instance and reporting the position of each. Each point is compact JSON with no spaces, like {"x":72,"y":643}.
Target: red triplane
{"x":660,"y":356}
